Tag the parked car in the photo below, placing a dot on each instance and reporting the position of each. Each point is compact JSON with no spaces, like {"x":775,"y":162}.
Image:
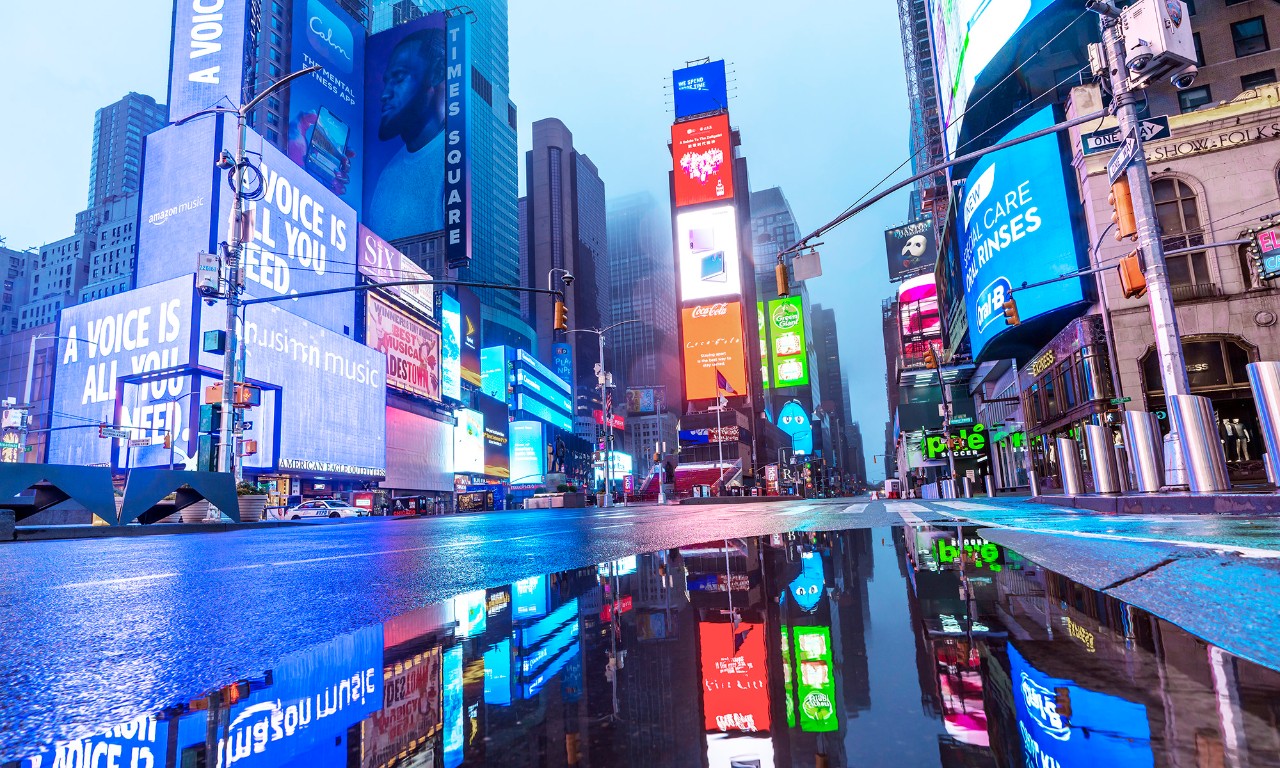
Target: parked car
{"x":323,"y":508}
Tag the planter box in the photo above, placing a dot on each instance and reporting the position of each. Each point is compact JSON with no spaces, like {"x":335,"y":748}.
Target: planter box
{"x":574,"y":500}
{"x":252,"y":508}
{"x":196,"y":513}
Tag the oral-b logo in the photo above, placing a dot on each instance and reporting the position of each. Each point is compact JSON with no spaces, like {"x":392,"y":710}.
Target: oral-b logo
{"x":978,"y":192}
{"x":1042,"y":705}
{"x":329,"y":35}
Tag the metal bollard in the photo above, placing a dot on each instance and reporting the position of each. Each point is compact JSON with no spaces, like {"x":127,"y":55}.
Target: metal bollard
{"x":991,"y":487}
{"x":1102,"y":459}
{"x":968,"y":488}
{"x":1122,"y":468}
{"x":1070,"y":467}
{"x":1264,"y":378}
{"x":1271,"y":474}
{"x":1035,"y":483}
{"x":1146,"y":449}
{"x":1192,"y":418}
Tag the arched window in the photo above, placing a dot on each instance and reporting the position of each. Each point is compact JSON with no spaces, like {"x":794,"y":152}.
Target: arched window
{"x":1178,"y":212}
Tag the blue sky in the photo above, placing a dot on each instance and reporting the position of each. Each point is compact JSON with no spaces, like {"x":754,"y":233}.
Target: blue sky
{"x":818,"y":94}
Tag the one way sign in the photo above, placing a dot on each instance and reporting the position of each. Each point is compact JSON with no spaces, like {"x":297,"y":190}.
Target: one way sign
{"x":1100,"y":141}
{"x":1119,"y":162}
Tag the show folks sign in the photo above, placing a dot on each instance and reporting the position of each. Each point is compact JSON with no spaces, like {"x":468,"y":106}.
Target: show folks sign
{"x":412,"y":349}
{"x":410,"y":709}
{"x":1199,"y":145}
{"x":381,"y":263}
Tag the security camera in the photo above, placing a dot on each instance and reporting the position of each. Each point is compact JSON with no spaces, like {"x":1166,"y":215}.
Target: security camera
{"x":225,"y":161}
{"x":568,"y":279}
{"x":1139,"y":57}
{"x":1184,"y":78}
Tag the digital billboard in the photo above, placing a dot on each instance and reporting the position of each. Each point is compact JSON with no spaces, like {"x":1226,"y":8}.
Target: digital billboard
{"x":562,"y":360}
{"x":455,"y":734}
{"x":646,"y":401}
{"x":417,"y":86}
{"x":112,"y":339}
{"x":410,"y":710}
{"x":450,"y":347}
{"x":702,"y":155}
{"x":382,"y":263}
{"x":789,"y":356}
{"x":763,"y":325}
{"x":213,"y":40}
{"x":497,"y":436}
{"x":708,"y":253}
{"x":815,"y":679}
{"x":468,"y":442}
{"x":332,"y":393}
{"x":700,"y":88}
{"x":1016,"y":227}
{"x":735,"y":682}
{"x":911,"y":249}
{"x":412,"y":348}
{"x":470,"y":306}
{"x":326,"y":108}
{"x":298,"y":236}
{"x":529,"y":598}
{"x":528,"y":453}
{"x":967,"y":35}
{"x":793,"y":420}
{"x":536,"y":408}
{"x":713,"y":342}
{"x":1100,"y":730}
{"x":493,"y":372}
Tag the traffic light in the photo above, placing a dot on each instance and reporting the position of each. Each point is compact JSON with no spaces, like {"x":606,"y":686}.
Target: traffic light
{"x":1011,"y":312}
{"x":168,"y":441}
{"x":1133,"y":283}
{"x":930,"y":358}
{"x":1122,"y":215}
{"x":784,"y":285}
{"x":562,"y":317}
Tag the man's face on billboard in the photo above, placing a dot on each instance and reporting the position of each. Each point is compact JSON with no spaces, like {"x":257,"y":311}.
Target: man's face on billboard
{"x":407,"y":92}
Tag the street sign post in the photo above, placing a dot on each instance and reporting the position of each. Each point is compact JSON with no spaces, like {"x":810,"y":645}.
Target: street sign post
{"x":1121,"y":400}
{"x":113,"y":432}
{"x":1123,"y":158}
{"x":1153,"y":128}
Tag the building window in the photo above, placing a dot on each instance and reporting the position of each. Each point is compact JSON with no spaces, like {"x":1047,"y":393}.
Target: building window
{"x":1191,"y":7}
{"x":1257,"y":79}
{"x":1195,"y":37}
{"x":1250,"y":36}
{"x":1178,"y":213}
{"x":1193,"y":98}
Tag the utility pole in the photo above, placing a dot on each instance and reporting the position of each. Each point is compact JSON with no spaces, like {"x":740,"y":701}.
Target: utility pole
{"x":602,"y":378}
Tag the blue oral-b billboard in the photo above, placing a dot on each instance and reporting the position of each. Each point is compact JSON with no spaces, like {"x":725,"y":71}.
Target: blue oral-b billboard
{"x":1017,"y":227}
{"x":700,"y":88}
{"x":213,"y":46}
{"x":300,"y":236}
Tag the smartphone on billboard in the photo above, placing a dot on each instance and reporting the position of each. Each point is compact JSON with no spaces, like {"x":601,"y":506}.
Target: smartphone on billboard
{"x":713,"y":267}
{"x":327,"y":146}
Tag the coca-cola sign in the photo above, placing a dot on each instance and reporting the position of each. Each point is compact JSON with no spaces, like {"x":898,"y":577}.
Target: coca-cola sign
{"x":710,"y":310}
{"x":713,"y":343}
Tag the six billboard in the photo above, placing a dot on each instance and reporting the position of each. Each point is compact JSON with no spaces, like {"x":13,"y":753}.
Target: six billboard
{"x":713,"y":343}
{"x":1016,"y":226}
{"x":469,"y":304}
{"x":911,"y":249}
{"x":700,"y":88}
{"x":381,"y":263}
{"x":412,"y":348}
{"x":702,"y":155}
{"x":326,"y":108}
{"x":708,"y":253}
{"x":788,"y":358}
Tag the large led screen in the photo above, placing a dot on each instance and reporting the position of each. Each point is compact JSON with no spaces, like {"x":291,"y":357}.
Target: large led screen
{"x":789,"y":355}
{"x":735,"y":681}
{"x":382,"y":263}
{"x":497,"y":436}
{"x":708,"y":253}
{"x":412,"y":348}
{"x":702,"y":153}
{"x":815,"y":683}
{"x":468,"y":442}
{"x":299,"y":236}
{"x":911,"y":249}
{"x":112,"y":339}
{"x":419,"y":452}
{"x":326,"y":108}
{"x":1016,"y":227}
{"x":450,"y":347}
{"x":207,"y":61}
{"x":455,"y":732}
{"x":332,"y":393}
{"x":528,"y":453}
{"x":470,"y":305}
{"x":967,"y":35}
{"x":700,"y":88}
{"x":793,"y":420}
{"x":713,"y":342}
{"x":1101,"y":730}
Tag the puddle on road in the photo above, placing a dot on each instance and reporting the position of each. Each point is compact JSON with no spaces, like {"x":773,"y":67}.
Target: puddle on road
{"x":916,"y":646}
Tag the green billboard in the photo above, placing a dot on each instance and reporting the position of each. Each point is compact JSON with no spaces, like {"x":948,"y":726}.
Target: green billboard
{"x":815,"y":683}
{"x":788,"y":356}
{"x":764,"y":345}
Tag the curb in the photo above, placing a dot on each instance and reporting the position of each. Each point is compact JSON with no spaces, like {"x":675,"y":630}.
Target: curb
{"x":1169,"y":504}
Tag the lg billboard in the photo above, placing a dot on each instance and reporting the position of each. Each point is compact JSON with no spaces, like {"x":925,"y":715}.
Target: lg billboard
{"x":702,"y":155}
{"x":708,"y":253}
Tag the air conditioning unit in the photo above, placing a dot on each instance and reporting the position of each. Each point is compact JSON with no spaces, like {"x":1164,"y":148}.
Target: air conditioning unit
{"x":1157,"y":41}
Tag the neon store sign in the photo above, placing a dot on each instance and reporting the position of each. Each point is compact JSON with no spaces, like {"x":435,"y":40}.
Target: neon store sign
{"x":965,"y":443}
{"x":982,"y":554}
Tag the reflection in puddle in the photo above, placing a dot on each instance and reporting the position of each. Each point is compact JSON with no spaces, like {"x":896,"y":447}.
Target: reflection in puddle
{"x":789,"y":650}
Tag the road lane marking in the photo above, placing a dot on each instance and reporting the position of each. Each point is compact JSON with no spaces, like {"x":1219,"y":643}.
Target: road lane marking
{"x":619,"y":525}
{"x":112,"y":582}
{"x":237,"y":568}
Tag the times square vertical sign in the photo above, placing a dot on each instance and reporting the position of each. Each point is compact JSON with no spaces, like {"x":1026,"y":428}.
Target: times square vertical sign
{"x":457,"y":158}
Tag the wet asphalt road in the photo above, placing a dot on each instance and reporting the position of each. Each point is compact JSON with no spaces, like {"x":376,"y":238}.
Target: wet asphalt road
{"x":100,"y":631}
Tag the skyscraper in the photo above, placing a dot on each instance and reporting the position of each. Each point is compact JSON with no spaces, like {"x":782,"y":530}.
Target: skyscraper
{"x":824,"y":340}
{"x":567,"y":230}
{"x":115,"y":169}
{"x":55,"y":278}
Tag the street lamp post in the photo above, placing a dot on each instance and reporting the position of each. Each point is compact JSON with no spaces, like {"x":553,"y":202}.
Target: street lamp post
{"x":602,"y":378}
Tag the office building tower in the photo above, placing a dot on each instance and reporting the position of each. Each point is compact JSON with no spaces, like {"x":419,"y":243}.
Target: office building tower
{"x":644,"y":289}
{"x":495,"y":180}
{"x":114,"y":255}
{"x":55,"y":278}
{"x":115,"y":169}
{"x":567,"y":230}
{"x":824,"y":343}
{"x":14,"y":295}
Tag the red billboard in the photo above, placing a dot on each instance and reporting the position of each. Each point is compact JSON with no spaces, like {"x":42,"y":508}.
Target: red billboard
{"x":735,"y":684}
{"x":702,"y":155}
{"x":713,"y":342}
{"x":412,"y":348}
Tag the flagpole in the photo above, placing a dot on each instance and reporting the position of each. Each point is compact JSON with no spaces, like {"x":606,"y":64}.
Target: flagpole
{"x":721,"y":400}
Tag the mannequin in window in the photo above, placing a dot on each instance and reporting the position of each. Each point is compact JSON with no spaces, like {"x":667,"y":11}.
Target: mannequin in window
{"x":1243,"y":438}
{"x":1231,"y":445}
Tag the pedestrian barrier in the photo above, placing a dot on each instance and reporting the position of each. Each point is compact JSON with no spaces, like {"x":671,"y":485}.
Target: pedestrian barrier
{"x":1192,"y":419}
{"x":90,"y":487}
{"x":1146,"y":450}
{"x":1264,"y":379}
{"x":1102,"y":459}
{"x":1070,"y":466}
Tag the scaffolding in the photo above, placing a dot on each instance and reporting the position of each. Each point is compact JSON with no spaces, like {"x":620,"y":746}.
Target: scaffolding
{"x":922,"y":97}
